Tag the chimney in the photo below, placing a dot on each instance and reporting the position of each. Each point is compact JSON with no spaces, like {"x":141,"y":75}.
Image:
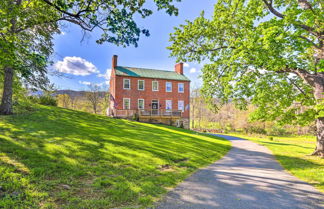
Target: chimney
{"x":114,"y":61}
{"x":179,"y":68}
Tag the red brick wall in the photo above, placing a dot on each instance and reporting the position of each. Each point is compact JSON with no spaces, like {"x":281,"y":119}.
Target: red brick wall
{"x":112,"y":85}
{"x":148,"y":95}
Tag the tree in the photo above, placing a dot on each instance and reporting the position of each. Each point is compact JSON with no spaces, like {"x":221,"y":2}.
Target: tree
{"x":74,"y":100}
{"x":24,"y":53}
{"x":26,"y":25}
{"x":94,"y":97}
{"x":267,"y":52}
{"x":64,"y":100}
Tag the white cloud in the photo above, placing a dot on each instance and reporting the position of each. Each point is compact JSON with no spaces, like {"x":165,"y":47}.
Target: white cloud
{"x":87,"y":83}
{"x":106,"y":75}
{"x":185,"y":64}
{"x":193,"y":70}
{"x":75,"y":66}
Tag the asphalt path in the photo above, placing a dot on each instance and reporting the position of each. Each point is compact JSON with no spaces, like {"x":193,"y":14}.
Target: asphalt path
{"x":248,"y":177}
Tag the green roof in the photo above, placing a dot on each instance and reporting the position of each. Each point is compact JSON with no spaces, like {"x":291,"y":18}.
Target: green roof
{"x":149,"y":73}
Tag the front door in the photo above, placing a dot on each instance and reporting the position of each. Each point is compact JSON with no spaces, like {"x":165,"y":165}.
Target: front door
{"x":155,"y":107}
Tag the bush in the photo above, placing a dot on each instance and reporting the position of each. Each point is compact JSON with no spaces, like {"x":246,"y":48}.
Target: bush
{"x":135,"y":117}
{"x":47,"y":100}
{"x":255,"y":130}
{"x":21,"y":106}
{"x":278,"y":131}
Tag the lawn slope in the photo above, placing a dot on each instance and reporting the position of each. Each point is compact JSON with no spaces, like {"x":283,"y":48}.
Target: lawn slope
{"x":293,"y":154}
{"x":59,"y":158}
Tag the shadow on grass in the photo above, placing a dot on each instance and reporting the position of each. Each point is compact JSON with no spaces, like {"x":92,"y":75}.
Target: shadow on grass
{"x":280,"y":143}
{"x":83,"y":160}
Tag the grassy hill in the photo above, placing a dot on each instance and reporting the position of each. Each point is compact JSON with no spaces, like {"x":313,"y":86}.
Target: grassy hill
{"x":59,"y":158}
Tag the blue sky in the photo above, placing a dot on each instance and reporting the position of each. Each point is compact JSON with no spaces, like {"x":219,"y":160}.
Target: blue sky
{"x":87,"y":62}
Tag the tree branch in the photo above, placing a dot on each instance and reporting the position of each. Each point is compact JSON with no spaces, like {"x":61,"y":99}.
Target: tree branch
{"x":311,"y":42}
{"x":273,"y":10}
{"x":301,"y":90}
{"x":212,"y":50}
{"x":77,"y":15}
{"x":278,"y":14}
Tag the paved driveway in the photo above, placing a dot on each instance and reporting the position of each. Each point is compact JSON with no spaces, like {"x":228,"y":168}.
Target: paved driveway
{"x":247,"y":177}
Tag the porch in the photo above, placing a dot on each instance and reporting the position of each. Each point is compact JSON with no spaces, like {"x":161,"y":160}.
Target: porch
{"x":149,"y":113}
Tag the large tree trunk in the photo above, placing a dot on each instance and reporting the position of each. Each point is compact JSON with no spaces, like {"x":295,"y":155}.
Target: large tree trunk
{"x":6,"y":102}
{"x":319,"y":96}
{"x":320,"y":137}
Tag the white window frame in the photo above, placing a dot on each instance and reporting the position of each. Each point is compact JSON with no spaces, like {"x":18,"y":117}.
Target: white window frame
{"x":124,"y":83}
{"x":166,"y":105}
{"x":166,"y":86}
{"x":139,"y":85}
{"x":138,"y":102}
{"x":129,"y":102}
{"x":183,"y":105}
{"x":157,"y":86}
{"x":182,"y":88}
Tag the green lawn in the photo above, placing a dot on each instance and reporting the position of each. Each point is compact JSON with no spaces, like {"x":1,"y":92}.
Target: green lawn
{"x":59,"y":158}
{"x":293,"y":154}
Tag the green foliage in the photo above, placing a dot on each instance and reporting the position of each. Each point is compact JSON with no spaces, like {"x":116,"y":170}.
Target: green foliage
{"x":60,"y":158}
{"x":47,"y":100}
{"x":262,"y":52}
{"x":114,"y":19}
{"x":26,"y":42}
{"x":135,"y":117}
{"x":255,"y":130}
{"x":27,"y":29}
{"x":277,"y":131}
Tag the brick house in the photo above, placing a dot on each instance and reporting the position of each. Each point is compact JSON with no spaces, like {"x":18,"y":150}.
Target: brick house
{"x":156,"y":96}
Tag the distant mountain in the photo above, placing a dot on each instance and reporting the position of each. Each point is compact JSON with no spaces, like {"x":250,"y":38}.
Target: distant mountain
{"x":71,"y":93}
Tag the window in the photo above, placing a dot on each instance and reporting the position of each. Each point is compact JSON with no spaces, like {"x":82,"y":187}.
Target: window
{"x":168,"y":87}
{"x":126,"y":83}
{"x":181,"y":105}
{"x":140,"y":103}
{"x":126,"y":103}
{"x":155,"y":85}
{"x":140,"y":85}
{"x":180,"y":87}
{"x":168,"y":105}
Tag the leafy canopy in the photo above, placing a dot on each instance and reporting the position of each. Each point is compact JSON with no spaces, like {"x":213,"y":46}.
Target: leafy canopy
{"x":27,"y":28}
{"x":258,"y":51}
{"x":23,"y":48}
{"x":115,"y":19}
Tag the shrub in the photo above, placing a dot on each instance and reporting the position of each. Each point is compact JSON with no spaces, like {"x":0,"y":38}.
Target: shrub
{"x":23,"y":105}
{"x":255,"y":130}
{"x":47,"y":100}
{"x":135,"y":117}
{"x":278,"y":131}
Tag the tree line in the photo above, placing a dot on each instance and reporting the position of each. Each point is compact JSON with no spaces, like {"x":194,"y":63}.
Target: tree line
{"x":229,"y":119}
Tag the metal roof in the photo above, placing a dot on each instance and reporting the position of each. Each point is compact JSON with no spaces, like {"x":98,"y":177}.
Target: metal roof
{"x":149,"y":73}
